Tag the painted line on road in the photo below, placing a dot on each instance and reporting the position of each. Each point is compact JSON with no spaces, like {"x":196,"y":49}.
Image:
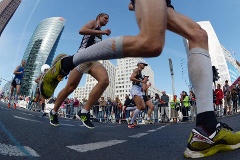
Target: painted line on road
{"x":153,"y":130}
{"x":26,"y":119}
{"x":138,"y":135}
{"x":27,"y":114}
{"x":162,"y":127}
{"x":143,"y":134}
{"x":71,"y":125}
{"x":10,"y":150}
{"x":18,"y":145}
{"x":95,"y":146}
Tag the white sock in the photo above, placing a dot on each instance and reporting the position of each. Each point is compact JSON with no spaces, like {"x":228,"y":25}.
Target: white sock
{"x":10,"y":97}
{"x":16,"y":98}
{"x":53,"y":112}
{"x":84,"y":111}
{"x":135,"y":114}
{"x":131,"y":108}
{"x":200,"y":73}
{"x":108,"y":49}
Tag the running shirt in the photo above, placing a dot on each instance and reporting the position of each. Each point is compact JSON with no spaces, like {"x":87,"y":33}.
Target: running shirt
{"x":89,"y":40}
{"x":168,"y":2}
{"x":19,"y":76}
{"x":139,"y":77}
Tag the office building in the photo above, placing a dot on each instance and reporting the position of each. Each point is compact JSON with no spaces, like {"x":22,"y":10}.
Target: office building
{"x":7,"y":10}
{"x":41,"y":50}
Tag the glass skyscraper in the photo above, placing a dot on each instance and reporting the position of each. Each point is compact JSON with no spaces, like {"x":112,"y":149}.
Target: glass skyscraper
{"x":40,"y":50}
{"x":7,"y":9}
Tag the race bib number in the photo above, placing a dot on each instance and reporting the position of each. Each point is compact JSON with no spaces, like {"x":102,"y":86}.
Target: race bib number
{"x":17,"y":81}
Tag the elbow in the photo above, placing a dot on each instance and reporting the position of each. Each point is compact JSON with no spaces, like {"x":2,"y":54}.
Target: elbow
{"x":81,"y":32}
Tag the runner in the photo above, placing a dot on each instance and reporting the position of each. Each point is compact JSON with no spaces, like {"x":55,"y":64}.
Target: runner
{"x":154,"y":18}
{"x":16,"y":83}
{"x":92,"y":34}
{"x":38,"y":97}
{"x":138,"y":92}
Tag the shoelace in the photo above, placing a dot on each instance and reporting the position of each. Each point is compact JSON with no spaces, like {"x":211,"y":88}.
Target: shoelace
{"x":55,"y":117}
{"x":224,"y":125}
{"x":88,"y":116}
{"x":54,"y":82}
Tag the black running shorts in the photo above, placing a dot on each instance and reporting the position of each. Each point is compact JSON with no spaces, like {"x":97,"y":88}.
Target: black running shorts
{"x":167,"y":1}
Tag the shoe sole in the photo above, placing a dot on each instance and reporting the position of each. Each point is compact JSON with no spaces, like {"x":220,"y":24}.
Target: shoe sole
{"x":211,"y":151}
{"x":83,"y":122}
{"x":60,"y":56}
{"x":55,"y":125}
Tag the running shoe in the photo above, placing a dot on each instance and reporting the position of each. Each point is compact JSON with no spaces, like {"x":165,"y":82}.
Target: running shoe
{"x":201,"y":144}
{"x":131,"y":125}
{"x":52,"y":77}
{"x":53,"y":119}
{"x":44,"y":114}
{"x":149,"y":122}
{"x":85,"y":118}
{"x":14,"y":106}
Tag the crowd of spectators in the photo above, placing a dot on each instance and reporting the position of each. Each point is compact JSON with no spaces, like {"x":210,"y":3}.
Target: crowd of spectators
{"x":226,"y":100}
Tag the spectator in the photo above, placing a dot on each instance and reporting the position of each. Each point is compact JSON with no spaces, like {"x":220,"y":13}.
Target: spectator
{"x":102,"y":106}
{"x":108,"y":109}
{"x":238,"y":91}
{"x":192,"y":100}
{"x":116,"y":109}
{"x":227,"y":98}
{"x":164,"y":104}
{"x":63,"y":107}
{"x":127,"y":103}
{"x":234,"y":95}
{"x":174,"y":105}
{"x":156,"y":103}
{"x":96,"y":110}
{"x":219,"y":100}
{"x":76,"y":105}
{"x":185,"y":107}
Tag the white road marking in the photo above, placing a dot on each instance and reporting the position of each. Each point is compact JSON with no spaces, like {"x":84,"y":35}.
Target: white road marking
{"x":143,"y":134}
{"x":94,"y":146}
{"x":153,"y":130}
{"x":27,"y":114}
{"x":138,"y":135}
{"x":10,"y":150}
{"x":67,"y":125}
{"x":27,"y":119}
{"x":162,"y":127}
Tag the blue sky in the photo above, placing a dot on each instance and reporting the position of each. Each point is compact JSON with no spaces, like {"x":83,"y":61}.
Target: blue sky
{"x":223,"y":15}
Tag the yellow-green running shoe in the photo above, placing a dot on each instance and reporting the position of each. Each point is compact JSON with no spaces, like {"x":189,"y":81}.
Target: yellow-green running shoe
{"x":52,"y":77}
{"x":200,"y":144}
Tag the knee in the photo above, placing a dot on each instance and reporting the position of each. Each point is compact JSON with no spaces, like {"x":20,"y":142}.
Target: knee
{"x":199,"y":34}
{"x":149,"y":47}
{"x":69,"y":89}
{"x":104,"y":82}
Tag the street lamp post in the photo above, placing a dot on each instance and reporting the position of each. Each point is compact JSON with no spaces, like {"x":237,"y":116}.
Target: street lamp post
{"x":172,"y":75}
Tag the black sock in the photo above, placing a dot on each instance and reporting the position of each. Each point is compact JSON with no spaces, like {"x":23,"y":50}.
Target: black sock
{"x":207,"y":120}
{"x":67,"y":64}
{"x":43,"y":106}
{"x":133,"y":3}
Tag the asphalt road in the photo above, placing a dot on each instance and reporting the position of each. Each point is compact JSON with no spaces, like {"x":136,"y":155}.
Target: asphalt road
{"x":25,"y":134}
